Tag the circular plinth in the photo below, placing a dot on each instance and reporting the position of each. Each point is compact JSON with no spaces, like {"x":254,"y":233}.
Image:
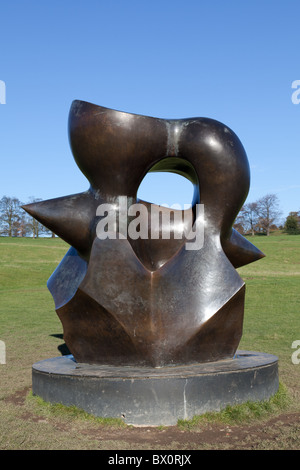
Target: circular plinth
{"x":156,"y":396}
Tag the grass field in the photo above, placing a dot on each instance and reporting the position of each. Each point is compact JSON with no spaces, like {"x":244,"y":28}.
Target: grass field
{"x":32,"y":331}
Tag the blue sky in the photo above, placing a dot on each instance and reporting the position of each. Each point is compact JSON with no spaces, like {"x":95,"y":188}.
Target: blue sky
{"x":233,"y":61}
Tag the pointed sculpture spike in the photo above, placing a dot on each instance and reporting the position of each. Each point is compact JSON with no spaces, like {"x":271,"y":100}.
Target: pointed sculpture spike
{"x":240,"y":251}
{"x":68,"y":217}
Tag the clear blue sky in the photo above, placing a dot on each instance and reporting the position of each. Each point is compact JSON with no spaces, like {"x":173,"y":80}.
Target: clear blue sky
{"x":232,"y":60}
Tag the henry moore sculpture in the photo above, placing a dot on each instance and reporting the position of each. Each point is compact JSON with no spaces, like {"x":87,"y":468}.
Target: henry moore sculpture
{"x":150,"y":301}
{"x":149,"y":297}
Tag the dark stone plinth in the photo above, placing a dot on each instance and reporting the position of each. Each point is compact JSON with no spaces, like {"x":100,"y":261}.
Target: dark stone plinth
{"x":156,"y":396}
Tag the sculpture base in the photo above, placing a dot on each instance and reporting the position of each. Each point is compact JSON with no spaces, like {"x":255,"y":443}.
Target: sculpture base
{"x":156,"y":396}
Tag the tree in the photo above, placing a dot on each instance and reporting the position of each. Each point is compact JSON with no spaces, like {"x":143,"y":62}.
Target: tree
{"x":297,"y":216}
{"x":35,"y":227}
{"x":249,"y":215}
{"x":23,"y":227}
{"x":268,"y":212}
{"x":10,"y":216}
{"x":292,"y":226}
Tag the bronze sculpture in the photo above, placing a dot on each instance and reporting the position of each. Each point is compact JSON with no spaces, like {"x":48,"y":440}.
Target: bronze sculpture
{"x":150,"y":301}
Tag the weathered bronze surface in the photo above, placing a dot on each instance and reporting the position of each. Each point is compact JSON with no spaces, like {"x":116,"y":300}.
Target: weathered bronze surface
{"x":150,"y":301}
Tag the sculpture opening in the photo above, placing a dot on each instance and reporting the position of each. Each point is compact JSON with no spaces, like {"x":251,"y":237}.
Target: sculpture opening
{"x":166,"y":188}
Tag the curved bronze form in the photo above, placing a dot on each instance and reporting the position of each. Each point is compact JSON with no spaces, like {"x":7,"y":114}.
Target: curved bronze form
{"x":150,"y":301}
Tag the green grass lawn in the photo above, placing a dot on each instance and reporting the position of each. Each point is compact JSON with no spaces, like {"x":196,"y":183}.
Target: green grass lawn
{"x":32,"y":331}
{"x":272,"y":310}
{"x":27,"y":316}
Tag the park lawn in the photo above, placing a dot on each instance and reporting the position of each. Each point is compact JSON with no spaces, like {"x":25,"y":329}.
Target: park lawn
{"x":32,"y":331}
{"x":27,"y":316}
{"x":272,"y":306}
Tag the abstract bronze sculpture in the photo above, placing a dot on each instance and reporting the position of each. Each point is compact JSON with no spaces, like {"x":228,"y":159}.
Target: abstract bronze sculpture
{"x":150,"y":301}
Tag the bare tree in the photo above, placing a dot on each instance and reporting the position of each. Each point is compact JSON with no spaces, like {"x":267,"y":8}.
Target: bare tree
{"x":268,"y":212}
{"x":23,"y":229}
{"x":249,"y":215}
{"x":14,"y":222}
{"x":36,"y":228}
{"x":10,"y":216}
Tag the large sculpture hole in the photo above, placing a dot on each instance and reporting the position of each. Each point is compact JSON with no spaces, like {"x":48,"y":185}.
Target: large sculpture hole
{"x":165,"y":188}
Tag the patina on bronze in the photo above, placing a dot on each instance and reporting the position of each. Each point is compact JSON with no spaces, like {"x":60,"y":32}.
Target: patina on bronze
{"x":150,"y":302}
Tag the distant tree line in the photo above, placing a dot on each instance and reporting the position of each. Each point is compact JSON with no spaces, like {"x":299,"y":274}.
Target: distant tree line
{"x":259,"y":217}
{"x":263,"y":216}
{"x":15,"y":222}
